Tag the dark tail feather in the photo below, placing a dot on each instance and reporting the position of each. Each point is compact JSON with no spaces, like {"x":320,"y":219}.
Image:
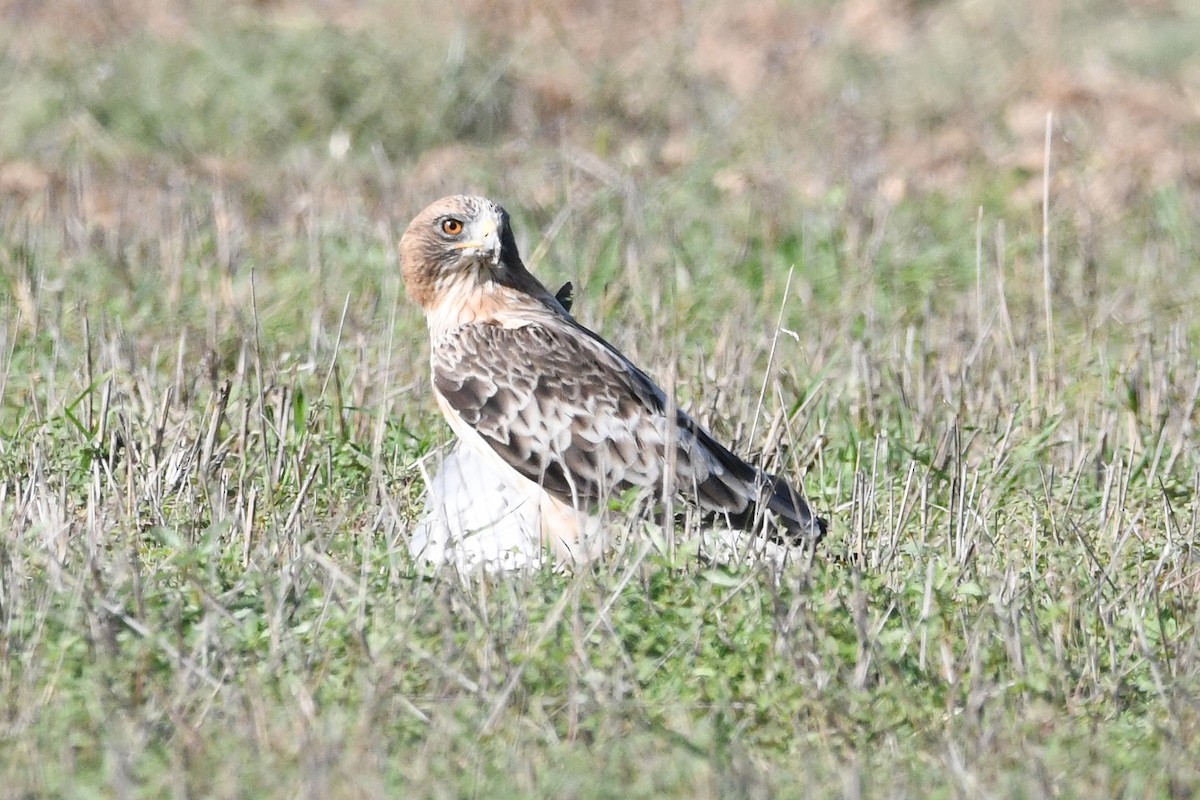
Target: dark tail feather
{"x":800,"y":524}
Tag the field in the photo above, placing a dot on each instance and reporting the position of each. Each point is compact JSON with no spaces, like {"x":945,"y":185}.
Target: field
{"x":939,"y":262}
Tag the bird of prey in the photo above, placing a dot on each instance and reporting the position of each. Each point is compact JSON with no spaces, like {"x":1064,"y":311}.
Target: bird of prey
{"x":559,"y":414}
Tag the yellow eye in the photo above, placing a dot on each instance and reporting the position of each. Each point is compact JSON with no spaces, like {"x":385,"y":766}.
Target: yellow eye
{"x":451,"y":227}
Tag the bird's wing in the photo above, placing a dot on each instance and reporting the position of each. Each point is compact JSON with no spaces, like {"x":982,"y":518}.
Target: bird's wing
{"x":556,"y":408}
{"x":713,"y":475}
{"x":564,"y":409}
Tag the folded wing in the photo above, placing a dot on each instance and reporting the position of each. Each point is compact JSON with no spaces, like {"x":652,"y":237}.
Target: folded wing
{"x":566,"y":410}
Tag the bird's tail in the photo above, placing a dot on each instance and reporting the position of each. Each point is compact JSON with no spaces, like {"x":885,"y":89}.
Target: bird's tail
{"x":795,"y":514}
{"x":740,"y":491}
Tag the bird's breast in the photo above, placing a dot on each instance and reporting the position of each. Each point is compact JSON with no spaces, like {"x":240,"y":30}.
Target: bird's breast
{"x":481,"y":303}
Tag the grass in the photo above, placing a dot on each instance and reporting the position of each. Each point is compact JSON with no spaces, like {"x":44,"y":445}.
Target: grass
{"x":213,"y":397}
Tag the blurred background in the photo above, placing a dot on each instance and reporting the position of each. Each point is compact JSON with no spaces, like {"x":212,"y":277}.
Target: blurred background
{"x":741,"y":116}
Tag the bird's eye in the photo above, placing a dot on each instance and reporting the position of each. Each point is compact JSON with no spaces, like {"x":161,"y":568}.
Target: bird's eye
{"x":452,"y":227}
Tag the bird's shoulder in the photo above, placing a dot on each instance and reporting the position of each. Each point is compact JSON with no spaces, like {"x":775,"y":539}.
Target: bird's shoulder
{"x":547,"y":354}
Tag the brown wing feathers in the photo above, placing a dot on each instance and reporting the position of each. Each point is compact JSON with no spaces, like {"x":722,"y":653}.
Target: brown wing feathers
{"x":576,"y":419}
{"x":548,"y":409}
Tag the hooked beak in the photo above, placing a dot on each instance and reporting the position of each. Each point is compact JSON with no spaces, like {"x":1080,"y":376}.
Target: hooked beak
{"x":485,"y":244}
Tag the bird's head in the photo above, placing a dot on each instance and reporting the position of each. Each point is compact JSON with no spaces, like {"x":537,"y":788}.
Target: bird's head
{"x":456,"y":239}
